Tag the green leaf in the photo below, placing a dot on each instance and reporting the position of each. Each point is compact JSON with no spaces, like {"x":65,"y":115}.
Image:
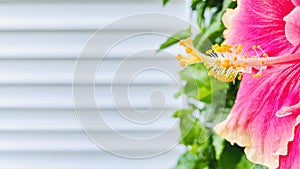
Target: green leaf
{"x":195,"y":73}
{"x":231,"y":93}
{"x":201,"y":87}
{"x":214,"y":28}
{"x":165,"y":2}
{"x":213,"y":32}
{"x":187,"y":161}
{"x":230,"y":156}
{"x":218,"y":143}
{"x":200,"y":16}
{"x":183,"y":34}
{"x":190,"y":128}
{"x":194,"y":4}
{"x":244,"y":163}
{"x":197,"y":82}
{"x":257,"y":166}
{"x":207,"y":155}
{"x":177,"y":113}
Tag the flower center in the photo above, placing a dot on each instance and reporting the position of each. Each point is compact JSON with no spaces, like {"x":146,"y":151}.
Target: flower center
{"x":228,"y":63}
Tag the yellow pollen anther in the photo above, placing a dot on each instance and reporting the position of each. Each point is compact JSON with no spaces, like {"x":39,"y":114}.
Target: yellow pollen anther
{"x":265,"y":55}
{"x":189,"y":41}
{"x":188,"y":50}
{"x":181,"y":43}
{"x":253,"y":47}
{"x":240,"y":46}
{"x":226,"y":61}
{"x":244,"y":65}
{"x":258,"y":46}
{"x":226,"y":64}
{"x":182,"y":63}
{"x":179,"y":56}
{"x":234,"y":57}
{"x":233,"y":66}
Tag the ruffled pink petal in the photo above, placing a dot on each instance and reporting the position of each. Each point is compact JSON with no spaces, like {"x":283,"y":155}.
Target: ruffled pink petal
{"x":292,"y":27}
{"x":296,"y":2}
{"x":253,"y":123}
{"x":292,"y":160}
{"x":260,"y":22}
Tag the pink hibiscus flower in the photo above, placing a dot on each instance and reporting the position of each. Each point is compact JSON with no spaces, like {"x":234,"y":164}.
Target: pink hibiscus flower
{"x":265,"y":116}
{"x":266,"y":113}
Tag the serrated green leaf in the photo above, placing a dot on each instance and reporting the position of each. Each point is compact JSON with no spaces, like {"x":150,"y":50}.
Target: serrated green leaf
{"x":183,"y":34}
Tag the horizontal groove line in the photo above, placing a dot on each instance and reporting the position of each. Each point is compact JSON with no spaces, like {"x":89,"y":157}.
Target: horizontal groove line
{"x":83,"y":29}
{"x":75,"y":58}
{"x":86,"y":150}
{"x":83,"y":151}
{"x":85,"y":84}
{"x":81,"y":131}
{"x":81,"y":1}
{"x":170,"y":108}
{"x":82,"y":109}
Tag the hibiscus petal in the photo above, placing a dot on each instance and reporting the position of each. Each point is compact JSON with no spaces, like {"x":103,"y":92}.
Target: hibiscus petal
{"x":296,"y":2}
{"x":253,"y":123}
{"x":292,"y":27}
{"x":260,"y":22}
{"x":292,"y":160}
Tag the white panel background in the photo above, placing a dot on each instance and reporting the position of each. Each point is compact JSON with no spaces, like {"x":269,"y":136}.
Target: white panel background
{"x":39,"y":43}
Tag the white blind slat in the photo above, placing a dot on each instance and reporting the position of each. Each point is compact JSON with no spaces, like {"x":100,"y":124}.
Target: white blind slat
{"x":81,"y":16}
{"x":40,"y":42}
{"x":69,"y":45}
